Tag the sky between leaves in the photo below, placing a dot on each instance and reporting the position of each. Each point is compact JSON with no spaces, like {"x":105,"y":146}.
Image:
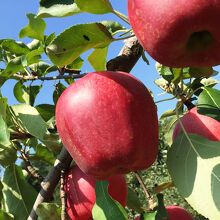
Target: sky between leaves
{"x":13,"y":19}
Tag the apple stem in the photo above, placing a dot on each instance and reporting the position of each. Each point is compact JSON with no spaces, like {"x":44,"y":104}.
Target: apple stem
{"x":63,"y":195}
{"x":151,"y":202}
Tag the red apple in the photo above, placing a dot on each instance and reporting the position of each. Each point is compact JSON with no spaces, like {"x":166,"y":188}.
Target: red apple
{"x":80,"y":192}
{"x":176,"y":213}
{"x":196,"y":123}
{"x":178,"y":33}
{"x":108,"y":123}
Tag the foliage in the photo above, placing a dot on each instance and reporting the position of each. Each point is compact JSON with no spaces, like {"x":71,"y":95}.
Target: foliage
{"x":28,"y":131}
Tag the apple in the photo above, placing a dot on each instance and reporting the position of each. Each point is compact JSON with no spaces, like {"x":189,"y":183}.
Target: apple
{"x":178,"y":33}
{"x":80,"y":192}
{"x":196,"y":123}
{"x":176,"y":213}
{"x":108,"y":123}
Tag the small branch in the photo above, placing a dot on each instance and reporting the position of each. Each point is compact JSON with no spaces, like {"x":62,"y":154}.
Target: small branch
{"x":63,"y":70}
{"x":32,"y":77}
{"x":151,"y":202}
{"x":49,"y":183}
{"x":63,"y":195}
{"x":127,"y":57}
{"x":30,"y":169}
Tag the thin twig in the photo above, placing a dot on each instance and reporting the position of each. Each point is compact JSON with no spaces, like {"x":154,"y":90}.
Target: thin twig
{"x":32,"y":77}
{"x":63,"y":195}
{"x":30,"y":169}
{"x":151,"y":202}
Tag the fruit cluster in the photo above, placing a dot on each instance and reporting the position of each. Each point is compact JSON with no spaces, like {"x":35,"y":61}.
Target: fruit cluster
{"x":108,"y":120}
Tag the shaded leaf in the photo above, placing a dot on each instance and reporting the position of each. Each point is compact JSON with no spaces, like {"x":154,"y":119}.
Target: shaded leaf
{"x":59,"y":88}
{"x":97,"y":59}
{"x":57,"y":8}
{"x":76,"y":64}
{"x":48,"y":211}
{"x":18,"y":195}
{"x":34,"y":29}
{"x":46,"y":111}
{"x":74,"y":41}
{"x":195,"y":169}
{"x":18,"y":92}
{"x":165,"y":72}
{"x":168,"y":113}
{"x":42,"y":154}
{"x":112,"y":26}
{"x":133,"y":201}
{"x":201,"y":71}
{"x":49,"y":39}
{"x":209,"y":103}
{"x":42,"y":68}
{"x":105,"y":207}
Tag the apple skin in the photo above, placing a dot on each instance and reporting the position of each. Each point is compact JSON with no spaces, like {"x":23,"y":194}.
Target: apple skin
{"x":196,"y":123}
{"x":108,"y":123}
{"x":80,"y":192}
{"x":178,"y":33}
{"x":176,"y":213}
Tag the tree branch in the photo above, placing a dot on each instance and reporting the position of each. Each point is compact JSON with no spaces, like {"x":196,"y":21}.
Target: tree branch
{"x":33,"y":77}
{"x":126,"y":60}
{"x":127,"y":57}
{"x":50,"y":182}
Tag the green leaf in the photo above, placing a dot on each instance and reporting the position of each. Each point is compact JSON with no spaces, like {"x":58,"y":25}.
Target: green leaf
{"x":97,"y":59}
{"x":76,"y":64}
{"x":18,"y":195}
{"x":94,"y":6}
{"x":34,"y":29}
{"x":195,"y":170}
{"x":30,"y":93}
{"x":3,"y":107}
{"x":209,"y":103}
{"x":178,"y":74}
{"x":74,"y":41}
{"x":113,"y":26}
{"x":49,"y":39}
{"x":59,"y":88}
{"x":29,"y":120}
{"x":18,"y":92}
{"x":48,"y":211}
{"x":168,"y":113}
{"x":16,"y":64}
{"x":42,"y":68}
{"x":42,"y":154}
{"x":105,"y":207}
{"x":57,"y":8}
{"x":4,"y":133}
{"x":210,"y":82}
{"x":34,"y":44}
{"x":198,"y":72}
{"x":46,"y":111}
{"x":165,"y":72}
{"x":6,"y":216}
{"x":133,"y":201}
{"x":17,"y":48}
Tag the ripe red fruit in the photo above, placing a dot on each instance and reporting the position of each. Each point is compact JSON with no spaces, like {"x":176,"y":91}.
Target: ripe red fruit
{"x":178,"y":33}
{"x":108,"y":123}
{"x":80,"y":192}
{"x":196,"y":123}
{"x":176,"y":213}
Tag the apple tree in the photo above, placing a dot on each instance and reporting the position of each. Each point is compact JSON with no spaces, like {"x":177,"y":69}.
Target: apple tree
{"x":105,"y":123}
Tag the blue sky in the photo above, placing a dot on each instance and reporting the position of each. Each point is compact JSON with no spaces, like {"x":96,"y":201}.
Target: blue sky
{"x":13,"y":19}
